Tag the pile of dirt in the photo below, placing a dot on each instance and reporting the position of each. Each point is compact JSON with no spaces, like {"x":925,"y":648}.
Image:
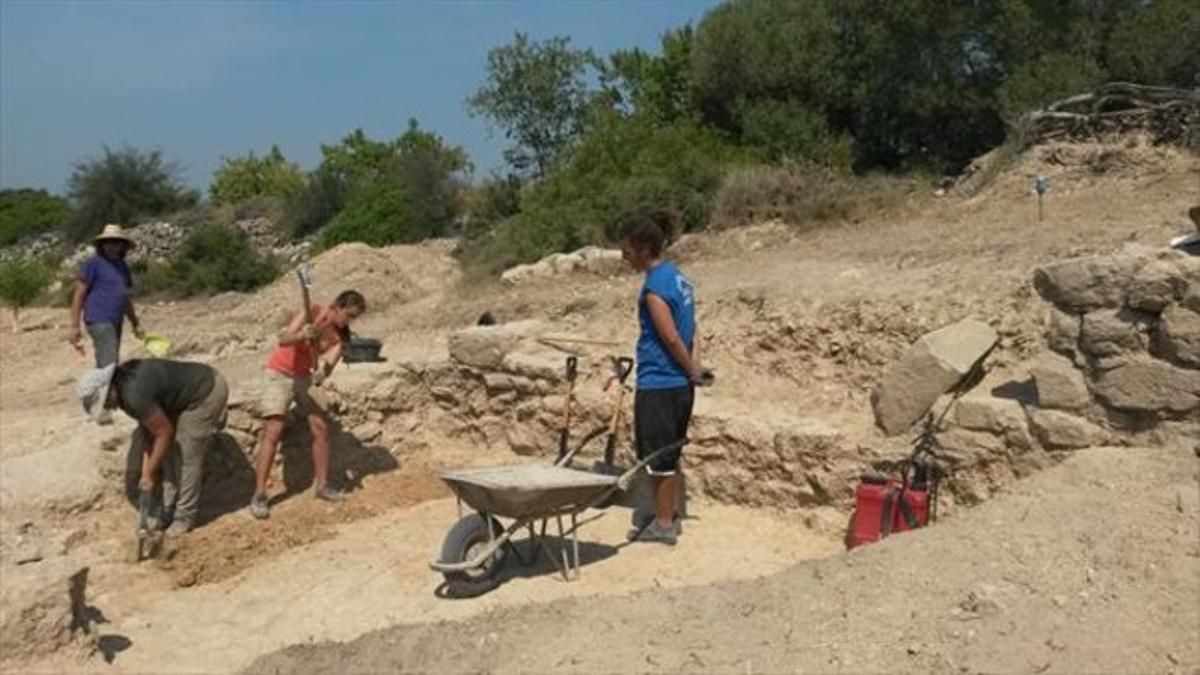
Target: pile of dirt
{"x":385,"y":276}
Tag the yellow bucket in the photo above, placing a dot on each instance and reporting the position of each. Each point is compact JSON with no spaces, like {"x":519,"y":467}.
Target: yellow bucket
{"x":156,"y":345}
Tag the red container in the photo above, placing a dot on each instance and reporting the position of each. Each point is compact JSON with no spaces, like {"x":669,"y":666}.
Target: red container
{"x":877,"y":501}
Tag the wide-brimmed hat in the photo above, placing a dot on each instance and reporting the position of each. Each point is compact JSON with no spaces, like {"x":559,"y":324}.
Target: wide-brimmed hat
{"x":93,"y":389}
{"x":115,"y":233}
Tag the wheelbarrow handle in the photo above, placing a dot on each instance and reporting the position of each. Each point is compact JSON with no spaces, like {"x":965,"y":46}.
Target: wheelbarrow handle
{"x":624,"y":480}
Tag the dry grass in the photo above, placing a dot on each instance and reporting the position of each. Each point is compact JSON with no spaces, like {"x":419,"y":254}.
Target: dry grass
{"x":806,"y":197}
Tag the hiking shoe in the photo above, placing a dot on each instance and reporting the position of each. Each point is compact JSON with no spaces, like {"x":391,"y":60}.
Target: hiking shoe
{"x":260,"y":508}
{"x":658,"y":533}
{"x":642,"y":520}
{"x":178,"y":528}
{"x":328,"y":494}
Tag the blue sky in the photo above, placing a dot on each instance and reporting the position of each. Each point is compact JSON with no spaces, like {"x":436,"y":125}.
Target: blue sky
{"x":203,"y":80}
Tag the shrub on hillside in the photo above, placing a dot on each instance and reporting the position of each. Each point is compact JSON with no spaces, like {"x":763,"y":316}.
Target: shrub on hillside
{"x":805,"y":196}
{"x":21,"y":281}
{"x":26,"y":212}
{"x":624,"y":163}
{"x":378,"y":215}
{"x":213,"y":259}
{"x":241,"y":178}
{"x":124,"y":185}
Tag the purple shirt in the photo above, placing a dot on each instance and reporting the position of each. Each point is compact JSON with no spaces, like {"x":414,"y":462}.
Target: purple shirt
{"x":108,"y":285}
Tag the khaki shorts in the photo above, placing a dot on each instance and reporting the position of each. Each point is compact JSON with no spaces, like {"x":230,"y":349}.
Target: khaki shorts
{"x":280,"y":391}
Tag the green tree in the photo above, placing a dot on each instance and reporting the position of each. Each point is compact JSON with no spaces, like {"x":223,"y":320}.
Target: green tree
{"x":21,"y":281}
{"x":379,"y":214}
{"x":1157,"y":43}
{"x":241,"y":178}
{"x":657,"y":85}
{"x":26,"y":211}
{"x":123,"y":185}
{"x":1044,"y":80}
{"x":538,"y":93}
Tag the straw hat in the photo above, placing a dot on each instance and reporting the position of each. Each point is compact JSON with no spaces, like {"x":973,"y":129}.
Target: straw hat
{"x":115,"y":233}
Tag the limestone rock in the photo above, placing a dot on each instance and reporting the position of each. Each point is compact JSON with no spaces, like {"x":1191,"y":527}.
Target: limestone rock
{"x":1060,"y":385}
{"x":1149,"y":385}
{"x":998,"y":416}
{"x":1191,"y":299}
{"x":929,"y":368}
{"x":45,"y":609}
{"x":485,"y":347}
{"x":1081,"y":285}
{"x":1062,"y":332}
{"x":1177,"y":336}
{"x":1154,"y":286}
{"x":1058,"y":430}
{"x":1114,"y":332}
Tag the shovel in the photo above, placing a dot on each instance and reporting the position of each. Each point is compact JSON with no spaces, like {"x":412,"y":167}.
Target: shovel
{"x":149,"y":538}
{"x":565,"y":434}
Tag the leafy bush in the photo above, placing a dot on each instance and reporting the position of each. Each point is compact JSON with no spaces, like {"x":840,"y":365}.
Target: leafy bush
{"x":242,"y":178}
{"x":378,"y":215}
{"x":21,"y":281}
{"x":324,"y":194}
{"x":123,"y":185}
{"x":213,"y":259}
{"x":491,"y":202}
{"x":26,"y":212}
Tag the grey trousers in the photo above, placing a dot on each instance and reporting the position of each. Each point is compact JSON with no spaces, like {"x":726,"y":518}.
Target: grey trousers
{"x":106,"y":342}
{"x":183,"y":471}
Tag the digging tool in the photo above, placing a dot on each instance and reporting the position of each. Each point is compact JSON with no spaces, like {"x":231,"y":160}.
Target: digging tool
{"x":565,"y":434}
{"x":566,"y":339}
{"x":305,"y":275}
{"x":149,"y":537}
{"x":622,"y":367}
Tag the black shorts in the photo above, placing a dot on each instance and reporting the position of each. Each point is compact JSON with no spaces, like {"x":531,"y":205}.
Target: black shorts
{"x":660,"y":418}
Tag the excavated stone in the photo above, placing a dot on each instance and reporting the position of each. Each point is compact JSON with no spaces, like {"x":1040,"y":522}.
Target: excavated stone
{"x":928,"y":369}
{"x":1149,"y":385}
{"x":1114,"y":332}
{"x":1060,"y":385}
{"x":1081,"y":285}
{"x":1062,"y":332}
{"x":1058,"y":430}
{"x":1177,"y":336}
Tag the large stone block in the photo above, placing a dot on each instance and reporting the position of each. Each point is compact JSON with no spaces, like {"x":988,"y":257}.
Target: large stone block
{"x":999,"y":416}
{"x":1150,"y":386}
{"x":1060,"y":385}
{"x":1157,"y":284}
{"x":1062,"y":332}
{"x":1082,"y":285}
{"x":1177,"y":336}
{"x":1114,"y":332}
{"x":485,"y":347}
{"x":931,"y":367}
{"x":1058,"y":430}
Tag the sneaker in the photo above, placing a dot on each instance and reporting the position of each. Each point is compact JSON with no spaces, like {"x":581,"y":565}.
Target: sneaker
{"x":178,"y":528}
{"x":260,"y":508}
{"x":642,"y":520}
{"x":658,"y":533}
{"x":328,"y":494}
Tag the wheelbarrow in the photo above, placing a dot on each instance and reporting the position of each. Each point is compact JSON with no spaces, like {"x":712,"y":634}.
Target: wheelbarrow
{"x":531,"y":496}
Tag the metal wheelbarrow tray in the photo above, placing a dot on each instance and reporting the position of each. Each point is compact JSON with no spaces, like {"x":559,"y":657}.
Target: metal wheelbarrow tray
{"x":475,"y":548}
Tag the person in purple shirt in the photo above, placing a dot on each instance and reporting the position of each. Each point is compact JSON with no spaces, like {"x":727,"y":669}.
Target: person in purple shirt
{"x":102,"y":297}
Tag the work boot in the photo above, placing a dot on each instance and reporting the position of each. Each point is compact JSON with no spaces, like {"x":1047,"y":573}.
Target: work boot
{"x":657,"y":533}
{"x":178,"y":528}
{"x":260,"y":508}
{"x":328,"y":494}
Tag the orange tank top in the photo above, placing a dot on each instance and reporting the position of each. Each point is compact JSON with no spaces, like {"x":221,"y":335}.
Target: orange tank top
{"x":297,"y":359}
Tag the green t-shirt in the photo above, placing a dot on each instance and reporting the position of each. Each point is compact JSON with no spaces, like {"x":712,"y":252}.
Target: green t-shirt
{"x":173,"y":386}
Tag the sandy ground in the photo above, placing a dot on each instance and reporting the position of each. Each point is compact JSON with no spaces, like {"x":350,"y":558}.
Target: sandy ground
{"x":375,"y":573}
{"x":1091,"y":566}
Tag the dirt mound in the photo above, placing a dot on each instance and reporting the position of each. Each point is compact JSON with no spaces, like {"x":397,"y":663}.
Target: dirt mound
{"x":998,"y":589}
{"x":385,"y":276}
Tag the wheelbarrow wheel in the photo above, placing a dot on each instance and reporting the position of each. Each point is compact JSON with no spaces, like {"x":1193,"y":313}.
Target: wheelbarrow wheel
{"x":466,"y":540}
